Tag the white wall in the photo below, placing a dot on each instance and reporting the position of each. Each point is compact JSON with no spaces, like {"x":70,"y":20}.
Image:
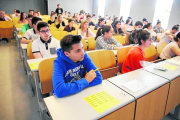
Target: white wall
{"x":112,"y":7}
{"x":73,"y":6}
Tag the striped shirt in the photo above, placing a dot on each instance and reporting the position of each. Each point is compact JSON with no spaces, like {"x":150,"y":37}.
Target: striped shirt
{"x":107,"y":45}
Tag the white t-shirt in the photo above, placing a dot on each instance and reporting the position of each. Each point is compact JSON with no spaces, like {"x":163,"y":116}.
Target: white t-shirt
{"x":31,"y":34}
{"x":167,"y":52}
{"x":46,"y":49}
{"x":165,"y":38}
{"x":83,"y":35}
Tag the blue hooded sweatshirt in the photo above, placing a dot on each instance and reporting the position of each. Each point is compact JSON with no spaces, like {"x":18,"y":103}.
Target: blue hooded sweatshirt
{"x":68,"y":77}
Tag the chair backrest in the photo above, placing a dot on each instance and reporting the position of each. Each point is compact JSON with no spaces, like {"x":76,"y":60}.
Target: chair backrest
{"x":53,"y":28}
{"x":15,"y":20}
{"x":127,"y":39}
{"x":84,"y":44}
{"x":61,"y":28}
{"x":162,"y":30}
{"x":91,"y":43}
{"x":94,"y":31}
{"x":6,"y":29}
{"x":160,"y":47}
{"x":19,"y":25}
{"x":45,"y":75}
{"x":150,"y":53}
{"x":29,"y":51}
{"x":44,"y":19}
{"x":121,"y":55}
{"x":120,"y":39}
{"x":103,"y":59}
{"x":56,"y":35}
{"x":92,"y":27}
{"x":62,"y":34}
{"x":74,"y":32}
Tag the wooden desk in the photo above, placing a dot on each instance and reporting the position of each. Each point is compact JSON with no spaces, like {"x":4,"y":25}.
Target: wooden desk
{"x":174,"y":90}
{"x":74,"y":107}
{"x":151,"y":100}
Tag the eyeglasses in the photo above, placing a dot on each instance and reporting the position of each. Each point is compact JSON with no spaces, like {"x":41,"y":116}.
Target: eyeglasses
{"x":44,"y":32}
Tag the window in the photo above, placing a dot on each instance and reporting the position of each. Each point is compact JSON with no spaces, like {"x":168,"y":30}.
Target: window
{"x":101,"y":4}
{"x":162,"y":12}
{"x":125,"y":8}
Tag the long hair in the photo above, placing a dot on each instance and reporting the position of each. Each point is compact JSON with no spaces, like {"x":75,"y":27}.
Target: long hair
{"x":82,"y":27}
{"x":58,"y":19}
{"x":21,"y":16}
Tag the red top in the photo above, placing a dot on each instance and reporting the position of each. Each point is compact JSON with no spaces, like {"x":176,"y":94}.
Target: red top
{"x":132,"y":61}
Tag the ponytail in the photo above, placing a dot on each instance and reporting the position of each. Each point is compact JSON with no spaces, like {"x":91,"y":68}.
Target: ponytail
{"x":144,"y":35}
{"x":99,"y":33}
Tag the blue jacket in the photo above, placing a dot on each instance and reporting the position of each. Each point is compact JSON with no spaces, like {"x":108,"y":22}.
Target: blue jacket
{"x":68,"y":77}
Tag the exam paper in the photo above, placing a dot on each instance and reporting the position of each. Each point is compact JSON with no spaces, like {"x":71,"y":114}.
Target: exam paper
{"x":134,"y":85}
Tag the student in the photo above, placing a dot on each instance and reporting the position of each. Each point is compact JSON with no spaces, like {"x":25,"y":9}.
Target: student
{"x":90,"y":23}
{"x":127,"y":28}
{"x":131,"y":24}
{"x":117,"y":28}
{"x":27,"y":26}
{"x":17,"y":14}
{"x":73,"y":68}
{"x":168,"y":35}
{"x":31,"y":12}
{"x":94,"y":17}
{"x":114,"y":20}
{"x":121,"y":19}
{"x":69,"y":14}
{"x":14,"y":12}
{"x":59,"y":21}
{"x":45,"y":45}
{"x":58,"y":10}
{"x":52,"y":20}
{"x":32,"y":33}
{"x":100,"y":24}
{"x":158,"y":27}
{"x":172,"y":49}
{"x":136,"y":54}
{"x":35,"y":14}
{"x":3,"y":16}
{"x":65,"y":14}
{"x":84,"y":31}
{"x":148,"y":27}
{"x":145,"y":21}
{"x":133,"y":35}
{"x":69,"y":27}
{"x":39,"y":14}
{"x":77,"y":20}
{"x":23,"y":18}
{"x":104,"y":39}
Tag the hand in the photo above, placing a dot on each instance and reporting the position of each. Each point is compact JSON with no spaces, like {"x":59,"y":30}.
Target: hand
{"x":90,"y":76}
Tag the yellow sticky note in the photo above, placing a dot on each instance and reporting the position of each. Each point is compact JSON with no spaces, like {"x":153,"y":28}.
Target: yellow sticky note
{"x":101,"y":101}
{"x":169,"y":67}
{"x":34,"y":65}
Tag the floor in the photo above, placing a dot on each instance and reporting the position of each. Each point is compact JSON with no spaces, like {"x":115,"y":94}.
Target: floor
{"x":16,"y":102}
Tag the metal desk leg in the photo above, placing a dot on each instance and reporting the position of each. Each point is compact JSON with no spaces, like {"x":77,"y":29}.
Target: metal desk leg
{"x":30,"y":84}
{"x":24,"y":60}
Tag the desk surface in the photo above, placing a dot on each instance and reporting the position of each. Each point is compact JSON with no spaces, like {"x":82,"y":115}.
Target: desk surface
{"x":74,"y":107}
{"x":170,"y":75}
{"x":24,"y":46}
{"x":151,"y":81}
{"x":177,"y":59}
{"x":115,"y":51}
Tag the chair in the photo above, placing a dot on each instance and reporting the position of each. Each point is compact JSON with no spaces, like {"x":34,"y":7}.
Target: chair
{"x":15,"y":20}
{"x":91,"y":43}
{"x":159,"y":36}
{"x":94,"y":31}
{"x":84,"y":44}
{"x":92,"y":27}
{"x":162,"y":30}
{"x":121,"y":55}
{"x":150,"y":53}
{"x":120,"y":39}
{"x":53,"y":28}
{"x":29,"y":51}
{"x":44,"y":19}
{"x":160,"y":47}
{"x":106,"y":61}
{"x":74,"y":32}
{"x":61,"y":28}
{"x":127,"y":39}
{"x":57,"y":35}
{"x":53,"y":25}
{"x":6,"y":29}
{"x":76,"y":26}
{"x":19,"y":26}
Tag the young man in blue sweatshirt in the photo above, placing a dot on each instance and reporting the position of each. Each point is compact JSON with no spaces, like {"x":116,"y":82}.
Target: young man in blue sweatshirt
{"x":73,"y":69}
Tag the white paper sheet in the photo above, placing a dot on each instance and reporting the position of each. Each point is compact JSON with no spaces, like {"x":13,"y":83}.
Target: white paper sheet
{"x":134,"y":85}
{"x":174,"y":61}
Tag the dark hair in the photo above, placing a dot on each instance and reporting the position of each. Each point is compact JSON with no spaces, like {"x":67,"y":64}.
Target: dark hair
{"x":101,"y":31}
{"x":138,"y":23}
{"x":68,"y":41}
{"x":127,"y":21}
{"x":31,"y":10}
{"x":100,"y":20}
{"x":30,"y":16}
{"x":70,"y":20}
{"x":41,"y":24}
{"x":69,"y":12}
{"x":177,"y":36}
{"x":116,"y":23}
{"x":175,"y":27}
{"x":114,"y":20}
{"x":35,"y":19}
{"x":88,"y":15}
{"x":17,"y":11}
{"x":21,"y":17}
{"x":121,"y":18}
{"x":58,"y":4}
{"x":94,"y":15}
{"x":144,"y":35}
{"x":147,"y":25}
{"x":158,"y":22}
